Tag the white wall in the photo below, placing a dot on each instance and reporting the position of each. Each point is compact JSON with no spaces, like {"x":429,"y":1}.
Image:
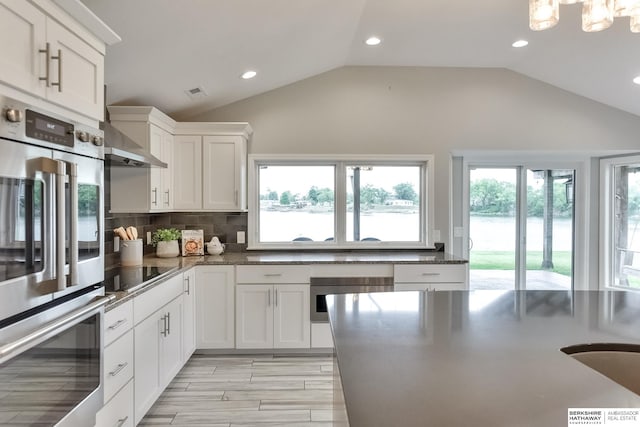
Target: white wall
{"x":407,"y":110}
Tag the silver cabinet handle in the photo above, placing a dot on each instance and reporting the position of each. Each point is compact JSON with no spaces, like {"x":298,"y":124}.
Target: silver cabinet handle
{"x":59,"y":59}
{"x":118,"y":369}
{"x":269,"y":293}
{"x":167,"y":193}
{"x":155,"y":196}
{"x":46,"y":51}
{"x":188,"y":290}
{"x":430,"y":274}
{"x":169,"y":323}
{"x":117,"y":324}
{"x":121,"y":421}
{"x":164,"y":326}
{"x":276,"y":297}
{"x":273,"y":274}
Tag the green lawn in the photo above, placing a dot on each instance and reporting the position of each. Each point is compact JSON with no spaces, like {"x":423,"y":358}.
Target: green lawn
{"x":505,"y":260}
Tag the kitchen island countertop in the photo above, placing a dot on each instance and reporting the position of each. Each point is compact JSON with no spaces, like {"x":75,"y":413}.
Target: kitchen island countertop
{"x":481,"y":358}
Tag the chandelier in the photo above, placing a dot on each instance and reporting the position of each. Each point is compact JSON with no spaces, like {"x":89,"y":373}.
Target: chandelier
{"x":597,"y":15}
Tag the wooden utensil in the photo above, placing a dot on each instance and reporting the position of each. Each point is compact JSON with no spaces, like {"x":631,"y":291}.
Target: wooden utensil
{"x":121,"y":232}
{"x":132,"y":232}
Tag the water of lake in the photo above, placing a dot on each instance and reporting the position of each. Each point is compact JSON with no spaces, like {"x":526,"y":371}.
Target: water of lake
{"x":487,"y":233}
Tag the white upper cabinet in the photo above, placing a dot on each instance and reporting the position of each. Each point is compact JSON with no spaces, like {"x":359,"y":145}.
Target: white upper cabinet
{"x":76,"y":72}
{"x":187,"y":179}
{"x":48,"y":55}
{"x":136,"y":189}
{"x":224,"y":173}
{"x":22,"y":27}
{"x":212,"y":163}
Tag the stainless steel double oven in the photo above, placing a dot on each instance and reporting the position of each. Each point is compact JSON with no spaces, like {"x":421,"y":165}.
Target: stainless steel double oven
{"x":51,"y":268}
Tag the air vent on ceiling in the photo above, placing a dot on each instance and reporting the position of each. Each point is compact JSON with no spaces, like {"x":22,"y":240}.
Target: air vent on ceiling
{"x":196,"y":92}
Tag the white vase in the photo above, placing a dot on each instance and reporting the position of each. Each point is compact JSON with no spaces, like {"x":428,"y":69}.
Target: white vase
{"x":168,"y":249}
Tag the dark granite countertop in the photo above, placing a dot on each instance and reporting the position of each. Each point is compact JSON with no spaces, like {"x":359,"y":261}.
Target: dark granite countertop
{"x":312,"y":257}
{"x":179,"y":264}
{"x":480,"y":358}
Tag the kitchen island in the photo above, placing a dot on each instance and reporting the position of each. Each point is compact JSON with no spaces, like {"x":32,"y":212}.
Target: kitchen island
{"x":480,"y":358}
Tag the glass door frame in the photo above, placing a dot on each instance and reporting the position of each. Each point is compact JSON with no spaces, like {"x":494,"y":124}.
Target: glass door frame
{"x":580,"y":219}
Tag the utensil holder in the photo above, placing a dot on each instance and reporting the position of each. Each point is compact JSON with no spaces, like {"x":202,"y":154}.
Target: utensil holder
{"x":131,"y":252}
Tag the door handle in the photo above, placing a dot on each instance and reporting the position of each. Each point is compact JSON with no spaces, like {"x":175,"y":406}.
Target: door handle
{"x":155,"y":197}
{"x":59,"y":59}
{"x":188,"y":290}
{"x":163,"y":332}
{"x":118,"y":369}
{"x":46,"y":51}
{"x":276,"y":297}
{"x":117,"y":324}
{"x":269,"y":294}
{"x":169,"y":323}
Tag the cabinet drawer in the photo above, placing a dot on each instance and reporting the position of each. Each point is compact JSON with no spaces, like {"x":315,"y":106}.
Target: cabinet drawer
{"x":152,"y":300}
{"x":273,"y":274}
{"x":451,"y":286}
{"x":117,"y":322}
{"x":119,"y":411}
{"x":430,"y":273}
{"x":118,"y":364}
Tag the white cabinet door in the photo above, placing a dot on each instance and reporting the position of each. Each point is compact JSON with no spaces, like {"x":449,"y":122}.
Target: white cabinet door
{"x":167,"y":173}
{"x":187,"y":177}
{"x":291,"y":322}
{"x":171,"y":342}
{"x":224,"y":169}
{"x":147,"y":363}
{"x":254,"y":316}
{"x":189,"y":315}
{"x":215,"y":306}
{"x":155,"y":174}
{"x":77,"y":72}
{"x":22,"y":29}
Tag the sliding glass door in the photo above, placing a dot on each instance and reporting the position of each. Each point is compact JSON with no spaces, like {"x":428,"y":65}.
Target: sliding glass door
{"x":521,"y":228}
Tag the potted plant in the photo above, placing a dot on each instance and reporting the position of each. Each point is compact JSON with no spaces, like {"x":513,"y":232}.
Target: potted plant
{"x":165,"y":240}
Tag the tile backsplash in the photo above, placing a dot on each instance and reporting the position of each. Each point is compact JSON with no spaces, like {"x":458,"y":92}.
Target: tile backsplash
{"x":224,"y":225}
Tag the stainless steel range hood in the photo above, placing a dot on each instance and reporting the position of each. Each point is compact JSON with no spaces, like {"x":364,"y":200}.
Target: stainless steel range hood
{"x":120,"y":150}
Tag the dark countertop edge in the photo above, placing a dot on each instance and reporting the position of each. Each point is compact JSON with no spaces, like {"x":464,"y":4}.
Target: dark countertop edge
{"x":122,"y":297}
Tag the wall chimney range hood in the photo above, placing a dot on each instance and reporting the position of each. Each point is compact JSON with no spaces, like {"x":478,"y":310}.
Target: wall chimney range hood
{"x":120,"y":150}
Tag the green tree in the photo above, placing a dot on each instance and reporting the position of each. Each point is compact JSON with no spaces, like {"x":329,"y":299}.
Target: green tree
{"x":405,"y":191}
{"x":325,"y":195}
{"x":285,"y":198}
{"x":312,"y":195}
{"x":372,"y":196}
{"x":490,"y":196}
{"x":273,"y":195}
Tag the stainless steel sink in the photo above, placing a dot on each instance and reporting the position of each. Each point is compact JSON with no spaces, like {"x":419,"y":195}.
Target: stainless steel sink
{"x":618,"y":362}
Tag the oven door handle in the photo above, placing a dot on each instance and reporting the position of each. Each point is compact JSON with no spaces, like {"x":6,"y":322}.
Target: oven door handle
{"x":13,"y":349}
{"x":72,"y":171}
{"x":58,"y":169}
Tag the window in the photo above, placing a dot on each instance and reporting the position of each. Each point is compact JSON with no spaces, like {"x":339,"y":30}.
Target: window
{"x":621,"y":201}
{"x":339,"y":203}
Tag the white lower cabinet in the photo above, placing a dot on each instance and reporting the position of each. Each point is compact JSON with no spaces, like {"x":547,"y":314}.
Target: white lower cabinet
{"x":189,"y":315}
{"x":118,"y":412}
{"x":272,"y":316}
{"x":117,"y":368}
{"x":158,"y":352}
{"x":215,"y":306}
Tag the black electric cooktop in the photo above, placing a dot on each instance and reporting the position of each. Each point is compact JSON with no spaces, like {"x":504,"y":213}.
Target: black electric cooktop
{"x":119,"y":279}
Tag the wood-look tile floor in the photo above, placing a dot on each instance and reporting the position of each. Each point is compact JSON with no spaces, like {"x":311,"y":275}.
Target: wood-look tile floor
{"x":260,"y":391}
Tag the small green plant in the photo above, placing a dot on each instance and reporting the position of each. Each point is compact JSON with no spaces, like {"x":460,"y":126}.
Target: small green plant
{"x":164,"y":235}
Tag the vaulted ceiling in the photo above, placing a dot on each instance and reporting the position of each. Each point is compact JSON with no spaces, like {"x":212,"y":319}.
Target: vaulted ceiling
{"x":172,"y":46}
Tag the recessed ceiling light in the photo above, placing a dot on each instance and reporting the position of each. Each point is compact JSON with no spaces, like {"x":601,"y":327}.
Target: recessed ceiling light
{"x":249,"y":74}
{"x":373,"y":41}
{"x":637,"y":80}
{"x":520,"y":43}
